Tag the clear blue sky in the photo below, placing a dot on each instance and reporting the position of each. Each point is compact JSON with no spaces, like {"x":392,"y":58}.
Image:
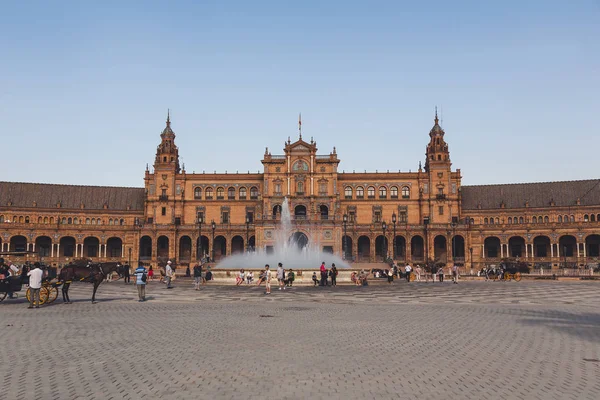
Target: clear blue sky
{"x":85,"y":86}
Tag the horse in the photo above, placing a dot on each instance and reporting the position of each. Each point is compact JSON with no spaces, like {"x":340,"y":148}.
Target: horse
{"x":92,"y":273}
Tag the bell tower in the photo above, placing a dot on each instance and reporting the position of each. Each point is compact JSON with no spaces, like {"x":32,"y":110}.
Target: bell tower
{"x":438,"y":156}
{"x":167,"y":153}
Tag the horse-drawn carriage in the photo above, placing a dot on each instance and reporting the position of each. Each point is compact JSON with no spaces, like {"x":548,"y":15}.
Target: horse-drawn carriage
{"x":79,"y":270}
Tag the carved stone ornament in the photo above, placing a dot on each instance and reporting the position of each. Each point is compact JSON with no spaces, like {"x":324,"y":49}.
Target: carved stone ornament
{"x":327,"y":235}
{"x":268,"y":234}
{"x":164,"y":177}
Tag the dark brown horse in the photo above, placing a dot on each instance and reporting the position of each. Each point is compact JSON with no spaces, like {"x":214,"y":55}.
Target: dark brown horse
{"x":84,"y":271}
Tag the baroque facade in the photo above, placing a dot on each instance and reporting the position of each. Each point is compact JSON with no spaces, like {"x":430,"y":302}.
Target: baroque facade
{"x":363,"y":217}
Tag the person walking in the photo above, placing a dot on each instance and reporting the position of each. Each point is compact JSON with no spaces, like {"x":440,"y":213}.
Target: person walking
{"x":267,"y":279}
{"x":333,"y":272}
{"x":441,"y":274}
{"x":418,"y":273}
{"x":151,"y":273}
{"x":390,"y":275}
{"x":323,"y":274}
{"x":455,"y":273}
{"x":281,"y":276}
{"x":168,"y":275}
{"x":35,"y":284}
{"x":197,"y":276}
{"x":408,"y":270}
{"x":140,"y":282}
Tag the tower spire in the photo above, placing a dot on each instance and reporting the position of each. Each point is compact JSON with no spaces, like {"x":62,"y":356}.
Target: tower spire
{"x":436,"y":116}
{"x":168,"y":117}
{"x":300,"y":125}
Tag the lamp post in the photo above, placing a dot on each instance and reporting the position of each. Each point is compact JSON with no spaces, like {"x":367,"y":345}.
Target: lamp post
{"x":471,"y":256}
{"x":344,"y":243}
{"x":384,"y":247}
{"x":565,"y":255}
{"x":129,"y":257}
{"x":213,"y":226}
{"x":199,"y":248}
{"x":394,"y":238}
{"x":453,"y":238}
{"x":247,"y":228}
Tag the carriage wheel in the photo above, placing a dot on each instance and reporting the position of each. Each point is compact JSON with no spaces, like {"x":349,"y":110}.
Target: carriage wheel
{"x":52,"y":294}
{"x":518,"y":277}
{"x":2,"y":296}
{"x":28,"y":295}
{"x":43,"y":295}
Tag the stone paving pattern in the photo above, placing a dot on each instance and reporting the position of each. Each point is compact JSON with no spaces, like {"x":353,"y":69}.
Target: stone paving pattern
{"x":475,"y":340}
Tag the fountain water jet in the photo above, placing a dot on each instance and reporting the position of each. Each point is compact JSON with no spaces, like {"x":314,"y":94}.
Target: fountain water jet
{"x":293,"y":247}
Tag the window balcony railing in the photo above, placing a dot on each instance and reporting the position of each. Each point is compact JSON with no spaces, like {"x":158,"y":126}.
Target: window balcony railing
{"x":348,"y":197}
{"x":299,"y":193}
{"x":220,"y":197}
{"x":255,"y":197}
{"x":394,"y":197}
{"x":440,"y":196}
{"x":358,"y":196}
{"x":371,"y":196}
{"x":322,"y":193}
{"x":278,"y":194}
{"x":209,"y":197}
{"x":230,"y":197}
{"x":163,"y":197}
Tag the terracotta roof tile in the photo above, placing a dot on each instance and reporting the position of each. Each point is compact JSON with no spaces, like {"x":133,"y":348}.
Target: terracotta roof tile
{"x":71,"y":196}
{"x":538,"y":194}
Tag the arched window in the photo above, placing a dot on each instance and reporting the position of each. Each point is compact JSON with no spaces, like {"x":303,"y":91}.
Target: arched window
{"x":231,"y":193}
{"x":14,"y":218}
{"x":405,"y":192}
{"x":99,"y":221}
{"x":87,"y":221}
{"x":242,"y":193}
{"x":26,"y":220}
{"x":300,"y":187}
{"x":360,"y":192}
{"x":51,"y":220}
{"x":110,"y":221}
{"x":45,"y":220}
{"x":70,"y":221}
{"x":546,"y":219}
{"x":121,"y":221}
{"x":560,"y":218}
{"x":516,"y":221}
{"x":566,"y":219}
{"x":208,"y":193}
{"x":348,"y":192}
{"x":510,"y":220}
{"x":197,"y":193}
{"x":534,"y":220}
{"x":371,"y":192}
{"x":521,"y":220}
{"x":572,"y":218}
{"x":1,"y":219}
{"x":76,"y":221}
{"x":63,"y":221}
{"x":253,"y":193}
{"x":472,"y":221}
{"x":21,"y":219}
{"x":300,"y":165}
{"x":485,"y":221}
{"x":394,"y":192}
{"x":492,"y":221}
{"x":586,"y":218}
{"x":220,"y":193}
{"x":592,"y":218}
{"x":39,"y":220}
{"x":540,"y":219}
{"x":382,"y":192}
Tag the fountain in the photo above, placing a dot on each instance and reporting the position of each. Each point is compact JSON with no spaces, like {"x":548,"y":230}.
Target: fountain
{"x":292,"y":247}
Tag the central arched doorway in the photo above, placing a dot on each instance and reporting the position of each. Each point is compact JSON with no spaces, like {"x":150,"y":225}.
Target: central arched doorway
{"x":299,"y":239}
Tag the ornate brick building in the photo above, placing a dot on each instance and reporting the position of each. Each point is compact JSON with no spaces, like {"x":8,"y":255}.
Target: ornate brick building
{"x":410,"y":216}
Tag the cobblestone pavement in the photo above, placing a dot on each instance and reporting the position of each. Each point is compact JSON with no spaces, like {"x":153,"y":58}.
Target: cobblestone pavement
{"x":475,"y":340}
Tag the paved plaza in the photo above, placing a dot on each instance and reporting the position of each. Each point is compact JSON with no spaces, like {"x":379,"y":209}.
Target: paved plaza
{"x":475,"y":340}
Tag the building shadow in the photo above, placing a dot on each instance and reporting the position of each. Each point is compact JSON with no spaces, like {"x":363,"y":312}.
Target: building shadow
{"x":580,"y":325}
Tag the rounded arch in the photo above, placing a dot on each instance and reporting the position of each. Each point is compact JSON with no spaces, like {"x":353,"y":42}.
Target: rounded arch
{"x":252,"y":243}
{"x":237,"y":245}
{"x":114,"y":247}
{"x":43,"y":246}
{"x":567,"y":246}
{"x":541,"y":246}
{"x":592,"y":245}
{"x":348,"y":192}
{"x":202,"y":248}
{"x":492,"y":247}
{"x":219,"y":247}
{"x":162,"y":249}
{"x":381,"y":247}
{"x":300,"y":165}
{"x":220,"y":193}
{"x":371,"y":192}
{"x":299,"y":239}
{"x":347,"y":247}
{"x":197,"y":193}
{"x":360,"y":192}
{"x":145,"y":250}
{"x":364,"y":248}
{"x":394,"y":192}
{"x":516,"y":246}
{"x":67,"y":246}
{"x":324,"y":211}
{"x":254,"y":193}
{"x":400,"y":244}
{"x":91,"y":247}
{"x":382,"y":192}
{"x":440,"y":249}
{"x":231,"y":193}
{"x":185,"y":248}
{"x":458,"y":247}
{"x":300,"y":211}
{"x":18,"y":243}
{"x":243,"y":193}
{"x":405,"y":192}
{"x":417,"y":248}
{"x":276,"y":210}
{"x":208,"y":193}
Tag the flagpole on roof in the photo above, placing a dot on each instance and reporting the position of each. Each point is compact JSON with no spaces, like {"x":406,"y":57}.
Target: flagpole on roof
{"x":300,"y":125}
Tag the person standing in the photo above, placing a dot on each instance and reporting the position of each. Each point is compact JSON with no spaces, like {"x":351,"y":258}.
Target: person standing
{"x":267,"y":279}
{"x":408,"y":270}
{"x":281,"y":276}
{"x":197,"y":276}
{"x":151,"y":273}
{"x":126,"y":274}
{"x":441,"y":274}
{"x":418,"y":273}
{"x":323,"y":274}
{"x":140,"y":282}
{"x":35,"y":284}
{"x":169,"y":275}
{"x":455,"y":273}
{"x":333,"y":271}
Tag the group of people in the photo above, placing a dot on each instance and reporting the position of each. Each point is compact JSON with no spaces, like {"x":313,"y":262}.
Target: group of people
{"x":284,"y":279}
{"x":31,"y":275}
{"x":418,"y":272}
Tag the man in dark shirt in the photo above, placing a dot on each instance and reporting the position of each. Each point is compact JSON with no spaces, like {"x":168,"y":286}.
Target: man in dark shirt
{"x":197,"y":276}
